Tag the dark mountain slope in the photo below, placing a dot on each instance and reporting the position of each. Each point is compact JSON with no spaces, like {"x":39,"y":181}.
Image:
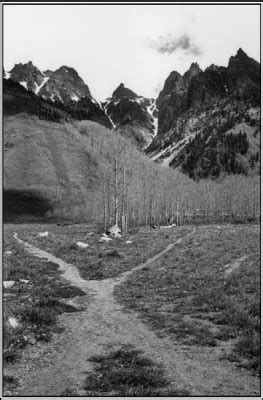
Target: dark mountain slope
{"x":205,"y":115}
{"x":63,"y":88}
{"x":17,"y":99}
{"x":134,"y":116}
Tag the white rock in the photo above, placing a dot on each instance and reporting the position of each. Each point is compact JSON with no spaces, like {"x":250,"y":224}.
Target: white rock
{"x":104,"y":239}
{"x":82,"y":245}
{"x":24,"y":280}
{"x":8,"y":284}
{"x":168,"y":226}
{"x":13,"y":322}
{"x":90,"y":234}
{"x":43,"y":234}
{"x":115,"y":231}
{"x":8,"y":252}
{"x":129,"y":241}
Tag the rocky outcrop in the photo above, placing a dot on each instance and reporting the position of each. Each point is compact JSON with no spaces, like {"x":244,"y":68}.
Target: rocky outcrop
{"x":210,"y":104}
{"x":134,"y":116}
{"x":63,"y":87}
{"x":28,"y":76}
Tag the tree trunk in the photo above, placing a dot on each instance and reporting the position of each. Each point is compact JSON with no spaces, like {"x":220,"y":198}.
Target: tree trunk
{"x":116,"y":199}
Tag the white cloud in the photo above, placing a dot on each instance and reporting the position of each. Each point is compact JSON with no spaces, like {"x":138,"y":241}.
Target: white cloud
{"x":169,"y":44}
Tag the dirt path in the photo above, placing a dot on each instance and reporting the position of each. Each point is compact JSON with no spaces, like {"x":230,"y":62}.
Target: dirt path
{"x":48,"y":370}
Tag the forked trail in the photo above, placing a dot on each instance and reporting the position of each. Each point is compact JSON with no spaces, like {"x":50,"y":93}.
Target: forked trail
{"x":103,"y":325}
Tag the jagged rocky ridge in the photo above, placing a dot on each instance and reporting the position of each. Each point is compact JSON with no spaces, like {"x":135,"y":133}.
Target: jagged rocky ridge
{"x":134,"y":116}
{"x":209,"y":121}
{"x":63,"y":87}
{"x":206,"y":123}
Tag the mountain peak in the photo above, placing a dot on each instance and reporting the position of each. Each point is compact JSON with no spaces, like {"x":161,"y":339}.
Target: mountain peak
{"x":194,"y":67}
{"x":122,"y":92}
{"x":212,"y":67}
{"x":241,"y":53}
{"x":242,"y":64}
{"x":28,"y":65}
{"x":27,"y":75}
{"x":66,"y":68}
{"x":67,"y":71}
{"x":174,"y":74}
{"x":240,"y":56}
{"x":193,"y":70}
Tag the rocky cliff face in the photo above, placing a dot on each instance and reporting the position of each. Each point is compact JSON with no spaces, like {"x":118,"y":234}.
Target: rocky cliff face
{"x":133,"y":115}
{"x":200,"y":109}
{"x":28,"y":76}
{"x":206,"y":123}
{"x":64,"y":87}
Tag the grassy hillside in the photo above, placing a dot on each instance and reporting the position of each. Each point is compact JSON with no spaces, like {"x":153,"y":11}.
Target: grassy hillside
{"x":42,"y":159}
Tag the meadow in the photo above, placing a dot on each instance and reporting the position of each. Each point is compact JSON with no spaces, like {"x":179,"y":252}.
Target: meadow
{"x":203,"y":294}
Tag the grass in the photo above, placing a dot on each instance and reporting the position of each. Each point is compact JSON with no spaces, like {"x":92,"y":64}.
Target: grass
{"x":9,"y":383}
{"x":38,"y":316}
{"x":188,"y":295}
{"x":99,"y":260}
{"x":34,"y":305}
{"x":127,"y":372}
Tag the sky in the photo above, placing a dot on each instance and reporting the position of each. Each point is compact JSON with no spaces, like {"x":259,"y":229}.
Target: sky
{"x":132,"y":44}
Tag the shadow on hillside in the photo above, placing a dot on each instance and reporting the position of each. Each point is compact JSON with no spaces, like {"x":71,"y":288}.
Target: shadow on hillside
{"x":24,"y":205}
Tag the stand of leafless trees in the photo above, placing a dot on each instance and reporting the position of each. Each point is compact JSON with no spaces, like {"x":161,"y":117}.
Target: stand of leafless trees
{"x":134,"y":191}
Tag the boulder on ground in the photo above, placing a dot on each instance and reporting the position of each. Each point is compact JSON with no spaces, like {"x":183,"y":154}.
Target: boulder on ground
{"x":168,"y":226}
{"x":13,"y":322}
{"x":82,"y":245}
{"x":42,"y":234}
{"x":8,"y":284}
{"x":104,"y":239}
{"x":115,"y":231}
{"x":129,"y":241}
{"x":24,"y":280}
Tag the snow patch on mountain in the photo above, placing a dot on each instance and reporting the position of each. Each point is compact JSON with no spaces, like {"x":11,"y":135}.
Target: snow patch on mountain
{"x":159,"y":154}
{"x":166,"y":156}
{"x":106,"y":112}
{"x":24,"y":84}
{"x":151,"y":109}
{"x":42,"y":84}
{"x":75,"y":98}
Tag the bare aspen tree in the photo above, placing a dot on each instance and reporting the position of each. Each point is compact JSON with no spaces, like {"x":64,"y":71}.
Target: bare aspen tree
{"x":134,"y":190}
